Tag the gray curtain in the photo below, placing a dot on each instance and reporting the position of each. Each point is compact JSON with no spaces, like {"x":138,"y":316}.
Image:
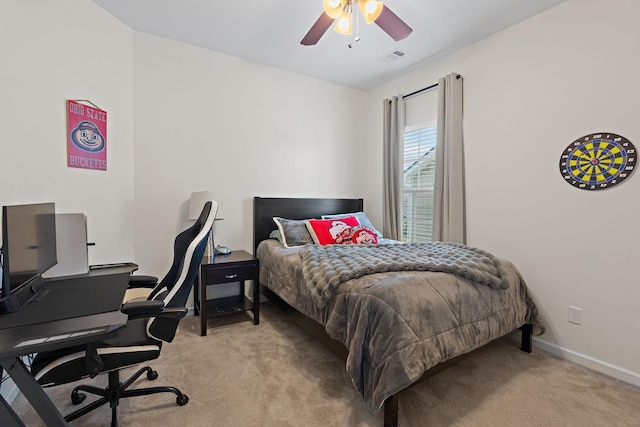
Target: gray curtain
{"x":393,"y":140}
{"x":448,"y":196}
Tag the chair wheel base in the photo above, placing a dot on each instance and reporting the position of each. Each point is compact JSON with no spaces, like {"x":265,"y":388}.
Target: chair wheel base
{"x":77,"y":398}
{"x":182,"y":400}
{"x":152,"y":375}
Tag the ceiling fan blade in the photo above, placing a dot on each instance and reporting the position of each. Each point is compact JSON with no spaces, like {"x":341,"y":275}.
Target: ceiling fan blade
{"x":392,"y":25}
{"x":317,"y":30}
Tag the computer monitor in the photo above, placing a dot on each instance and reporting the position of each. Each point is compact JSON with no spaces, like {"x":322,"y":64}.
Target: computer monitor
{"x":28,"y":250}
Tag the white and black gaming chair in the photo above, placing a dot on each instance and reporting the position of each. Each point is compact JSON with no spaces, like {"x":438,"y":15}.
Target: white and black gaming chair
{"x":150,"y":323}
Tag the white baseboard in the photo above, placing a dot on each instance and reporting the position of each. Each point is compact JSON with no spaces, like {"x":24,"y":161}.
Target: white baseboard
{"x":600,"y":366}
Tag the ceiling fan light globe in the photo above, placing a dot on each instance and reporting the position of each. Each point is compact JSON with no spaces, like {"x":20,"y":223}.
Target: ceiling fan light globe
{"x":343,"y":25}
{"x":334,"y":8}
{"x":370,"y":9}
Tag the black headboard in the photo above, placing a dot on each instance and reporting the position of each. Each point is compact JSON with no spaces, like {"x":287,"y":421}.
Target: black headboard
{"x":265,"y":208}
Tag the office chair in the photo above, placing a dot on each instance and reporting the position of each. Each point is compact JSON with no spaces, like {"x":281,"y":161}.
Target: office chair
{"x":150,"y":323}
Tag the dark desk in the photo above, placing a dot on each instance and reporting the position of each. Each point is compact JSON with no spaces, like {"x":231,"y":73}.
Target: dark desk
{"x":70,"y":311}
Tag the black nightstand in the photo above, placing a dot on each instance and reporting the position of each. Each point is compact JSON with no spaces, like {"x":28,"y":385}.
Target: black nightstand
{"x":238,"y":266}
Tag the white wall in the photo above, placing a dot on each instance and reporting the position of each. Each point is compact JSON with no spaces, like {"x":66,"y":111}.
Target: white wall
{"x":210,"y":121}
{"x":51,"y":52}
{"x":530,"y":91}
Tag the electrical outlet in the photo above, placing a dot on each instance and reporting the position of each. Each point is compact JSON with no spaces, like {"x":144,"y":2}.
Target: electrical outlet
{"x":575,"y":315}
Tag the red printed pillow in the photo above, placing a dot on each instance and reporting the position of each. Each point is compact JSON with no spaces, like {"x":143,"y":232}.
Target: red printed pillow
{"x":358,"y":235}
{"x":325,"y":231}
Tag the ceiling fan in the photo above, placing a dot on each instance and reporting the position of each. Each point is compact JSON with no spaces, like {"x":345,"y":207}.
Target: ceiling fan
{"x":341,"y":10}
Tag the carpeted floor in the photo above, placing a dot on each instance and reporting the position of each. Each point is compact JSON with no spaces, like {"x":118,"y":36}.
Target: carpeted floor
{"x":274,"y":374}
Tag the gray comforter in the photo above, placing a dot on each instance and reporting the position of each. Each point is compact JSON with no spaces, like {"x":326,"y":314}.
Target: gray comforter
{"x":397,"y":325}
{"x":325,"y":267}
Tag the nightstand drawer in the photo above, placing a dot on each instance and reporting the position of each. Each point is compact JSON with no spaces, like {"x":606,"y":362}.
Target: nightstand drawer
{"x":230,"y":274}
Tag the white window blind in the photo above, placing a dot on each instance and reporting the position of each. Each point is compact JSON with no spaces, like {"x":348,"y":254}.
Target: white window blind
{"x":419,"y":171}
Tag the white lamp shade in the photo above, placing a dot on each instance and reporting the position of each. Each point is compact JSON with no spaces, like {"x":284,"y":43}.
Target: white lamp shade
{"x":198,"y":199}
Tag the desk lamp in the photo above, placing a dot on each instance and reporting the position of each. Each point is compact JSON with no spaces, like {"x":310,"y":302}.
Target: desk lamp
{"x":198,"y":199}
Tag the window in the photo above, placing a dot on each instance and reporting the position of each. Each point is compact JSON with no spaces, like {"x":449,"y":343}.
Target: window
{"x":418,"y":176}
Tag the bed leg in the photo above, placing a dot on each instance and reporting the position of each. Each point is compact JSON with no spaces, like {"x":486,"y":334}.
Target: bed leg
{"x":527,"y":338}
{"x":391,"y":411}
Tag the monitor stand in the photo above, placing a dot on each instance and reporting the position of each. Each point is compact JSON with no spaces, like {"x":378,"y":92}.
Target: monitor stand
{"x":21,"y":295}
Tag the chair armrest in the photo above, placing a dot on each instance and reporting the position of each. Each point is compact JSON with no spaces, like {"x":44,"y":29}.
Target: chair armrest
{"x":135,"y":309}
{"x":142,"y":281}
{"x":173,"y":312}
{"x":138,"y":309}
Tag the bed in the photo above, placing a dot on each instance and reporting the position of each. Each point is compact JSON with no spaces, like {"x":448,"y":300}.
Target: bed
{"x":394,"y":325}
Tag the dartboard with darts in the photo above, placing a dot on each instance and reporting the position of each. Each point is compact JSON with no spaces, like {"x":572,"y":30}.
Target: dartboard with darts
{"x":598,"y":161}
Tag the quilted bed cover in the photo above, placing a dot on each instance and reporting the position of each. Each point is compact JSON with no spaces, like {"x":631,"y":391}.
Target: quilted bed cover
{"x":398,"y":325}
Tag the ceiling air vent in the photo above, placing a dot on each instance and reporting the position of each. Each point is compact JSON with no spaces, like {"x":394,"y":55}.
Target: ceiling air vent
{"x":393,"y":55}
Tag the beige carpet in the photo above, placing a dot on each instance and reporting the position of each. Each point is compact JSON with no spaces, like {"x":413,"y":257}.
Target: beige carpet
{"x":274,"y":374}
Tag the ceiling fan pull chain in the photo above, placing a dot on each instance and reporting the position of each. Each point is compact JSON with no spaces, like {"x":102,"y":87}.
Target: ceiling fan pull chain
{"x":357,"y":38}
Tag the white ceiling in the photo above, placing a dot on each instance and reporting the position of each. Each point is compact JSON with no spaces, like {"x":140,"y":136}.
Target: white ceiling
{"x":269,"y":32}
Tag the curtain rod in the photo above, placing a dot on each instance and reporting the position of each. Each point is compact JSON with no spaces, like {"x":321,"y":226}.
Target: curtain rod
{"x":420,"y":90}
{"x":425,"y":88}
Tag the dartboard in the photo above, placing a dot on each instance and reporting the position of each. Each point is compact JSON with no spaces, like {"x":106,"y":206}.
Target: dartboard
{"x":598,"y":161}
